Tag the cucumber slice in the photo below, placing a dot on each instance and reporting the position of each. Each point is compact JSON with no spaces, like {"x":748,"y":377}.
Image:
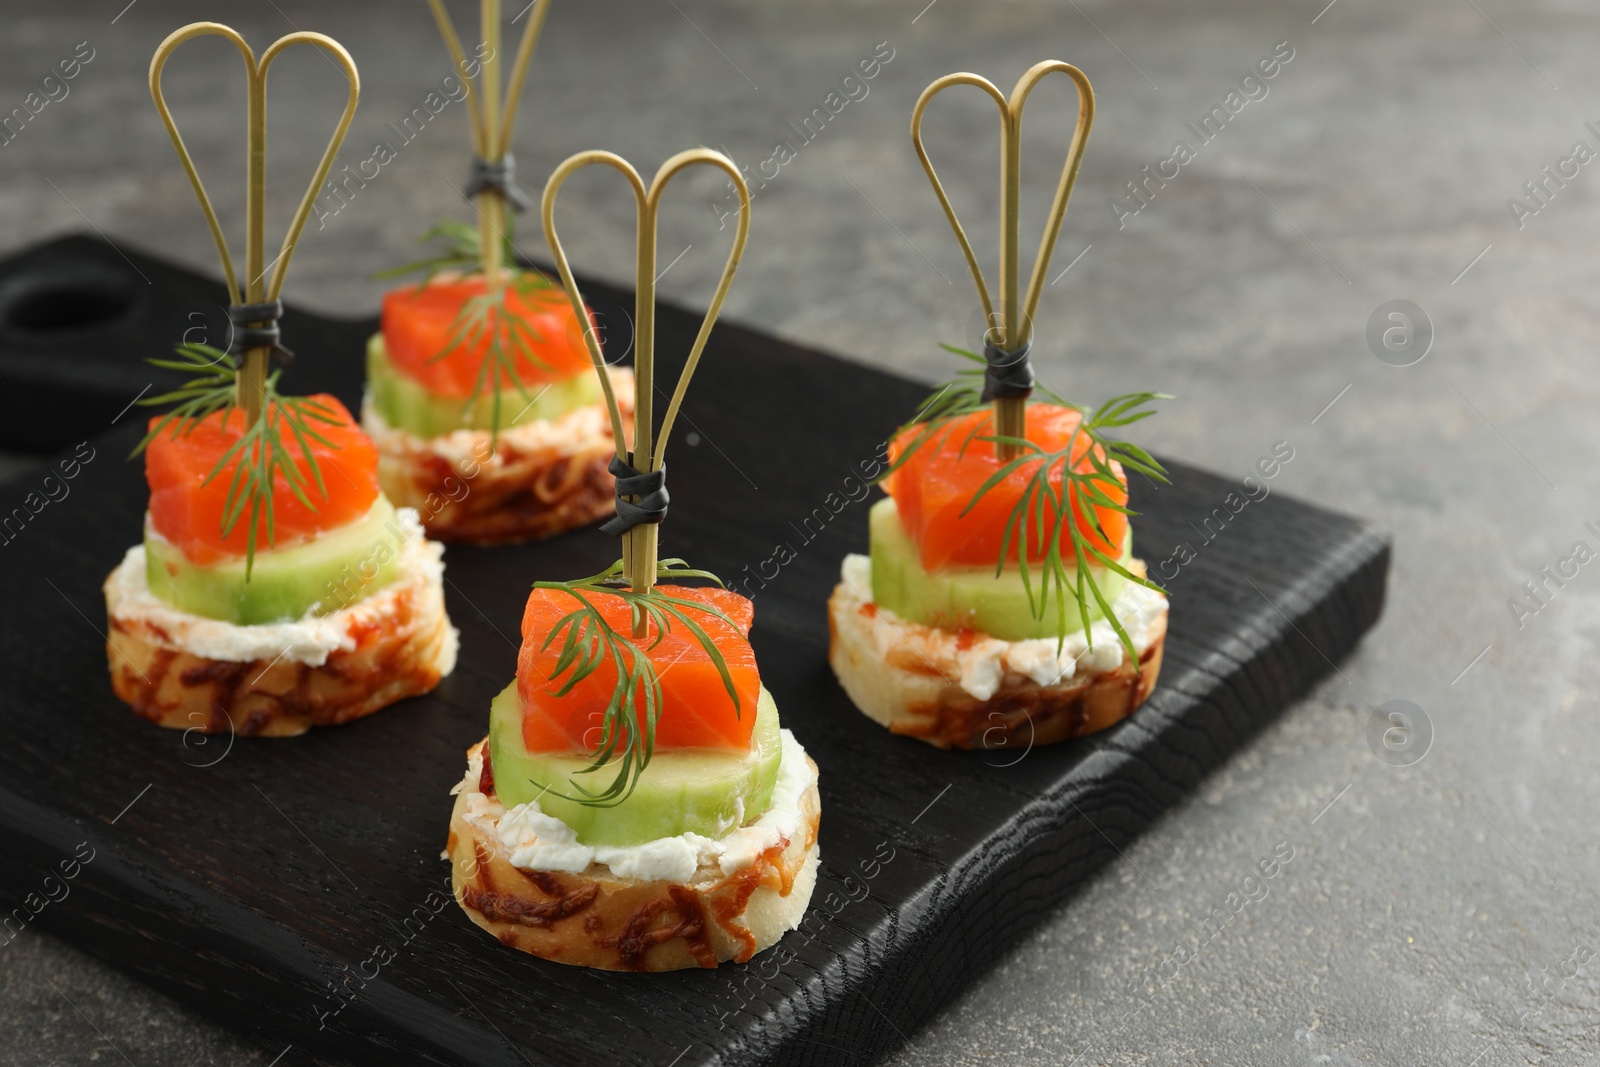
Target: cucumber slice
{"x":326,"y":574}
{"x":702,"y":791}
{"x":408,"y":405}
{"x":971,"y":598}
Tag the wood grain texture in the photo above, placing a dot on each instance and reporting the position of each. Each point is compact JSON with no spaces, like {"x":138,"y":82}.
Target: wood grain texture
{"x":268,"y":883}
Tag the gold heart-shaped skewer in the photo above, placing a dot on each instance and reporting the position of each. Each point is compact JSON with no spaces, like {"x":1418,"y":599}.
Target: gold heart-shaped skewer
{"x":493,"y":117}
{"x":252,"y":381}
{"x":639,"y":549}
{"x":1010,"y":331}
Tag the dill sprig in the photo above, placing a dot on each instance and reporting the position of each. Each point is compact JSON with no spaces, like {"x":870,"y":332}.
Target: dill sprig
{"x":263,"y":451}
{"x":588,"y":640}
{"x":462,"y":252}
{"x":1057,"y":499}
{"x":485,"y":318}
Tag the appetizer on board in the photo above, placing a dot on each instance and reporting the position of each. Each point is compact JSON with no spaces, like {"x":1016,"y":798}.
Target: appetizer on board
{"x":1001,"y":606}
{"x":637,"y":804}
{"x":276,"y":587}
{"x":480,"y":397}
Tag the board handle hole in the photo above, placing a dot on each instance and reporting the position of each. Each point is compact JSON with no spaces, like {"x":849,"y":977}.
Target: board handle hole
{"x":59,"y":303}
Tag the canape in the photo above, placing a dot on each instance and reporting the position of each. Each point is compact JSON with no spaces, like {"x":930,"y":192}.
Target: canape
{"x":479,"y":396}
{"x":711,"y":852}
{"x":1001,"y":605}
{"x":338,"y":610}
{"x":276,"y":587}
{"x":523,"y":463}
{"x":937,"y":634}
{"x":637,"y":804}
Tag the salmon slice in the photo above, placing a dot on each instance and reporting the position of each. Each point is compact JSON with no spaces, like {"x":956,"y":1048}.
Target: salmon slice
{"x":187,"y":509}
{"x":420,"y":322}
{"x":695,"y":710}
{"x":937,"y":483}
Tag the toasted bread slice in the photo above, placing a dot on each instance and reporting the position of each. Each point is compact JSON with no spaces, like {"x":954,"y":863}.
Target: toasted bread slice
{"x":531,"y":482}
{"x":594,"y":918}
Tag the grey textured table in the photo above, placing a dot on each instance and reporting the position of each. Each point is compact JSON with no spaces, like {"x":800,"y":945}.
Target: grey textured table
{"x":1433,"y":912}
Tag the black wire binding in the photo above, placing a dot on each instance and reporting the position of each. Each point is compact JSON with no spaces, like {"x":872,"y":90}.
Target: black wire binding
{"x":1007,"y":374}
{"x":501,"y":177}
{"x":256,"y":326}
{"x":651,"y":489}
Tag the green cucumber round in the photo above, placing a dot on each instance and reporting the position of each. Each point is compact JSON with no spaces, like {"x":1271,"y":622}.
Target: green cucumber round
{"x":407,"y":404}
{"x":702,"y":791}
{"x":974,"y":598}
{"x":323,"y":575}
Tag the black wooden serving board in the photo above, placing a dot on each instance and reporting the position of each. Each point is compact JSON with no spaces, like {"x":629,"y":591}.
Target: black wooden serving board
{"x":250,"y":878}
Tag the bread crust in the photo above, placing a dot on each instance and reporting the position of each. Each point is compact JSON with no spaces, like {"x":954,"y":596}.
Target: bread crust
{"x":596,"y":919}
{"x":914,"y":700}
{"x":531,"y":483}
{"x":403,"y":651}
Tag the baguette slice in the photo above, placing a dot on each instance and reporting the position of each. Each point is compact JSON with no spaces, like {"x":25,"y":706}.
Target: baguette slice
{"x":186,"y":672}
{"x":907,"y":691}
{"x":595,"y":918}
{"x":532,"y":482}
